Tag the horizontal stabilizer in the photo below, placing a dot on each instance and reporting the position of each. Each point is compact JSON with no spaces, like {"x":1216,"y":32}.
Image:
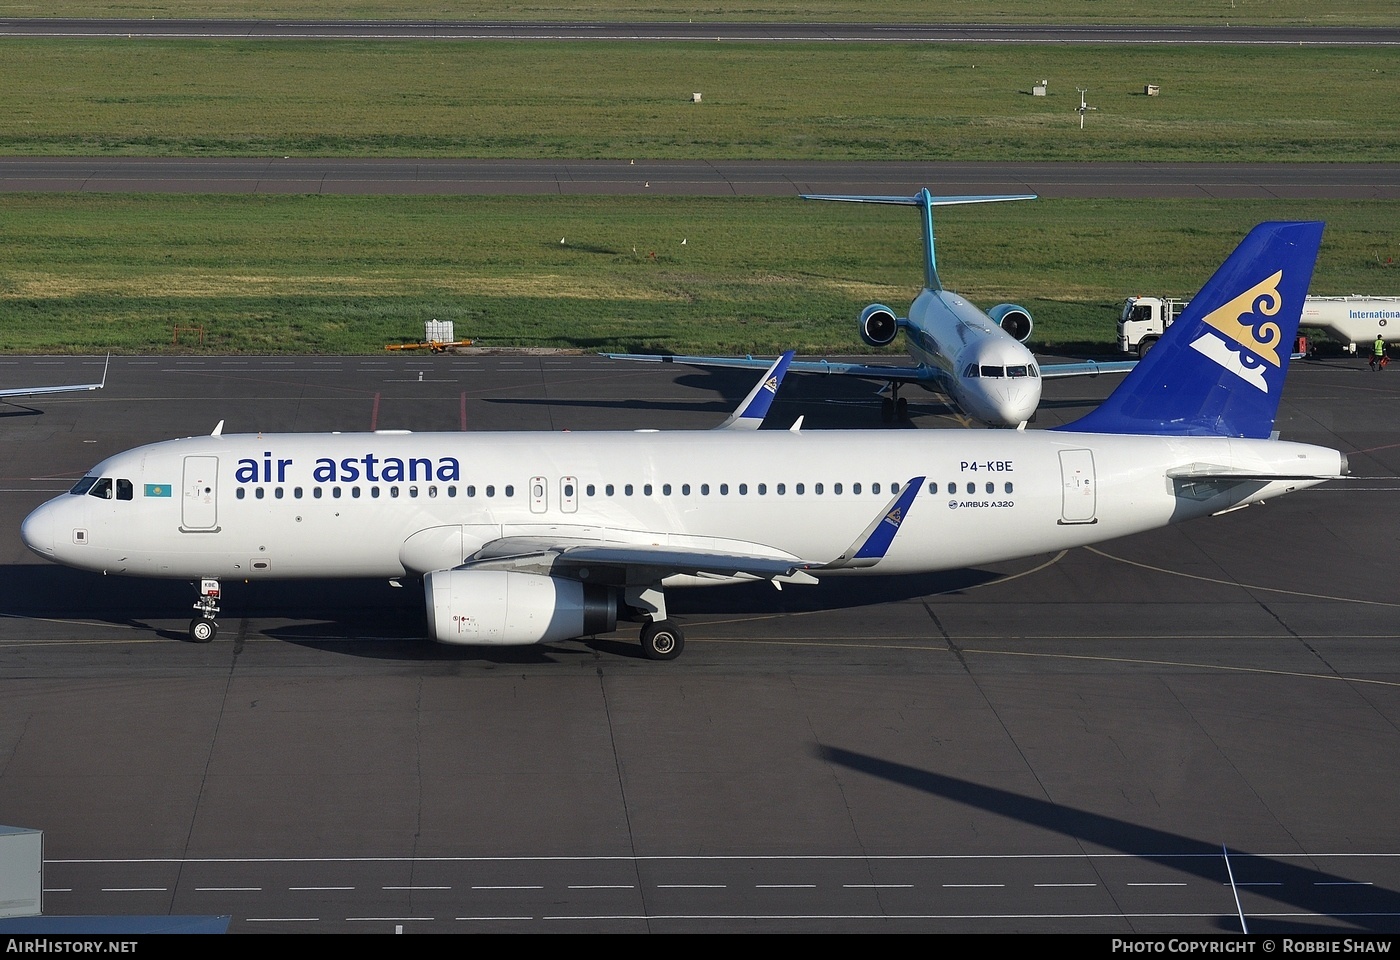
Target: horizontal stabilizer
{"x":922,"y":199}
{"x":1217,"y":473}
{"x":926,"y":202}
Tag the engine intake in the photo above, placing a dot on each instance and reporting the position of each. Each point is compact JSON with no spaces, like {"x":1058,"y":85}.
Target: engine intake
{"x":1013,"y":319}
{"x":878,"y":325}
{"x":505,"y":608}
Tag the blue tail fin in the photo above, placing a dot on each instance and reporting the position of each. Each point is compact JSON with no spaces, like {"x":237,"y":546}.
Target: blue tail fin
{"x":1219,"y":369}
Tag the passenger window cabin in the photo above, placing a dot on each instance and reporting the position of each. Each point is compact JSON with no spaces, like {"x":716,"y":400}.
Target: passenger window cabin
{"x":108,"y":488}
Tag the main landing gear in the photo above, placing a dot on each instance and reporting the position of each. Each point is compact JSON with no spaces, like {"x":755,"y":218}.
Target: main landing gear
{"x":203,"y":629}
{"x":662,"y":640}
{"x":894,"y":409}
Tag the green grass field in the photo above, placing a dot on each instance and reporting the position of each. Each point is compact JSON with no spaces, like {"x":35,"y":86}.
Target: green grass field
{"x":634,"y":100}
{"x":279,"y":274}
{"x":349,"y":275}
{"x":831,"y":11}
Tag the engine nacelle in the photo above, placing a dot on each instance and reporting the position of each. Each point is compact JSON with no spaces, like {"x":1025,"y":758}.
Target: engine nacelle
{"x":878,"y":325}
{"x":502,"y":607}
{"x":1013,"y":319}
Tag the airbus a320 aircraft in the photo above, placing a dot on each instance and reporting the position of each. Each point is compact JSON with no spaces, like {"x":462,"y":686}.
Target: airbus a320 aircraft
{"x":536,"y":537}
{"x":978,"y":359}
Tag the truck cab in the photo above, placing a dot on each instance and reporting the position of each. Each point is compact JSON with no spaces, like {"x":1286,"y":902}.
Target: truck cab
{"x":1143,"y":320}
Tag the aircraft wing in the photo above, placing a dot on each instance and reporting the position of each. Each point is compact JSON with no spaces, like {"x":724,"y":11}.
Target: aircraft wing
{"x":868,"y":371}
{"x":1216,"y":473}
{"x":37,"y":391}
{"x":62,"y":388}
{"x":1085,"y":368}
{"x":628,"y":563}
{"x":620,"y":563}
{"x":889,"y":373}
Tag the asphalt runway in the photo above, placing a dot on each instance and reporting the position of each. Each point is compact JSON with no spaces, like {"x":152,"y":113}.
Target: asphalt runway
{"x":1089,"y":742}
{"x":707,"y":32}
{"x":413,"y":176}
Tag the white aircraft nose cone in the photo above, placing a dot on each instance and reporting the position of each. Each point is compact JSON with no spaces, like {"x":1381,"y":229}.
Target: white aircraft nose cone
{"x":1022,"y":401}
{"x":1009,"y":403}
{"x":37,"y":531}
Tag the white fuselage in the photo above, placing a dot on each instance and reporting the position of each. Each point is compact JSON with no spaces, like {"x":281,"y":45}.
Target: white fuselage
{"x":385,"y":505}
{"x":990,"y":373}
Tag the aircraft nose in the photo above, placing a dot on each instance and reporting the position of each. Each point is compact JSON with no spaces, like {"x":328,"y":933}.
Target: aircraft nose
{"x":38,"y":531}
{"x":1009,"y":403}
{"x":1022,"y":399}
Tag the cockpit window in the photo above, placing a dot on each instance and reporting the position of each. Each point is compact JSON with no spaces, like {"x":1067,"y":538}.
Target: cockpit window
{"x":102,"y":489}
{"x":83,"y":486}
{"x":1014,"y":372}
{"x":124,"y":490}
{"x":1035,"y":371}
{"x":970,"y":372}
{"x":993,"y":371}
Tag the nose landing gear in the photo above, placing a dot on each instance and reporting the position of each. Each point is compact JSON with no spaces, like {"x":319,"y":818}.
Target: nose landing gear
{"x":203,"y":629}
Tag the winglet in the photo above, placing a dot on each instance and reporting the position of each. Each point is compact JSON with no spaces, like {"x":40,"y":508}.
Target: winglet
{"x":750,"y":414}
{"x":1219,"y":369}
{"x":870,"y":547}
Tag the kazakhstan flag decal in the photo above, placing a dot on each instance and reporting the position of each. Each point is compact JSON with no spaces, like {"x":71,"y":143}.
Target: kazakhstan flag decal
{"x":157,"y":489}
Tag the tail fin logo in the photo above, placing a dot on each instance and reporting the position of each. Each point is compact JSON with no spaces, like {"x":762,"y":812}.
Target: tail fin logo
{"x":771,"y":385}
{"x":1242,"y":339}
{"x":895,"y":517}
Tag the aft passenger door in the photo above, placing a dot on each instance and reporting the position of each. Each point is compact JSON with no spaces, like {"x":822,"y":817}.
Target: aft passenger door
{"x":1077,"y":476}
